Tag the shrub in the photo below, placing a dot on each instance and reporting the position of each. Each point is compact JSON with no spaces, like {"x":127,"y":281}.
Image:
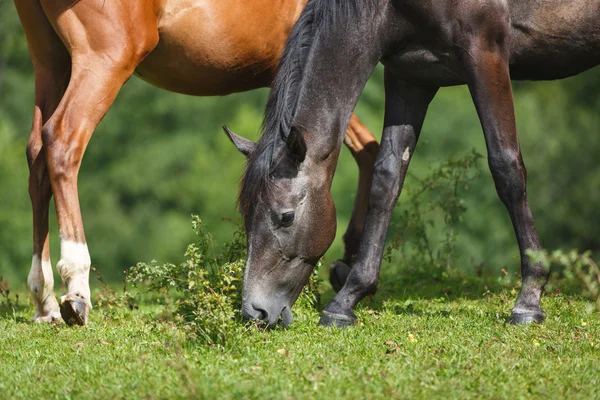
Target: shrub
{"x":207,"y":286}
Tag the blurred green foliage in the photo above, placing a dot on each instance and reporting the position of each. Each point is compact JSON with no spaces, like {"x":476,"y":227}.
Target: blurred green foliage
{"x":158,"y":157}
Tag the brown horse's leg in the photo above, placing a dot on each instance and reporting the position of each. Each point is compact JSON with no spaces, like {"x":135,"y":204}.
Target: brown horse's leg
{"x":363,"y":145}
{"x":98,"y":72}
{"x":486,"y":62}
{"x":52,"y":67}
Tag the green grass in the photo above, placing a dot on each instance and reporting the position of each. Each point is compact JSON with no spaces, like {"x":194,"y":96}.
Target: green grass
{"x":422,"y":340}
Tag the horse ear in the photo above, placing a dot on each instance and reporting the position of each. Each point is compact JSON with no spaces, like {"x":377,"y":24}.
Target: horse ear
{"x":244,"y":145}
{"x":296,"y":146}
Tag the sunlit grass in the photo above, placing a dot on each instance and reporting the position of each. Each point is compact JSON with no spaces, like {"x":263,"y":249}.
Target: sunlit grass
{"x":444,"y":340}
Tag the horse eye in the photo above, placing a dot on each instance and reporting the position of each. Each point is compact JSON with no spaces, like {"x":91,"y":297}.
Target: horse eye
{"x":287,"y":218}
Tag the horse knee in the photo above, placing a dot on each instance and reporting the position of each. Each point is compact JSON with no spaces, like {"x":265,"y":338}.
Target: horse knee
{"x":510,"y":176}
{"x":63,"y":156}
{"x":385,"y":186}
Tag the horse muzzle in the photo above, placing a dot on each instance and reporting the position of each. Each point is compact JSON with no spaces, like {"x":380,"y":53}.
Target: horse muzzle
{"x":267,"y":312}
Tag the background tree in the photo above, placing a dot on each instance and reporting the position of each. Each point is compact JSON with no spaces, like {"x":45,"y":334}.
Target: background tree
{"x":158,"y":157}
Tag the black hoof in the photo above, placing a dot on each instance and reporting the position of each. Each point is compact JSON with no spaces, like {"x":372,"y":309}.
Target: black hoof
{"x":526,"y":318}
{"x":336,"y":320}
{"x":338,"y":274}
{"x":74,"y":309}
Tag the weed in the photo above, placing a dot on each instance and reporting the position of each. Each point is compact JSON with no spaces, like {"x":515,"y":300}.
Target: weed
{"x":207,"y":286}
{"x":439,"y":191}
{"x":8,"y":304}
{"x":577,"y":267}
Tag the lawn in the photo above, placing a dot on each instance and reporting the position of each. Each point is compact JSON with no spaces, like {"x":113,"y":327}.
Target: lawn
{"x":445,"y":339}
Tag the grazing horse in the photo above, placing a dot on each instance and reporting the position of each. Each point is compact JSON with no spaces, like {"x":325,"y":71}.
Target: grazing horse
{"x":83,"y":51}
{"x":424,"y":45}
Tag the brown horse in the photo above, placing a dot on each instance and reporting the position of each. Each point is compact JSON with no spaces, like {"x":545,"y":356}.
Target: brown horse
{"x":84,"y":51}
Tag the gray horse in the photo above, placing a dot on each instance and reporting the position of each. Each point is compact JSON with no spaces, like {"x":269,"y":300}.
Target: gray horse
{"x":424,"y":44}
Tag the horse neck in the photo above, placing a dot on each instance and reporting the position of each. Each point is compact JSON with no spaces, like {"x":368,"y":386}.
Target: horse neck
{"x":334,"y":75}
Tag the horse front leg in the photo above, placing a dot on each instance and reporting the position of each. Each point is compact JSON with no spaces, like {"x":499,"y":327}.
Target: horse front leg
{"x":405,"y":108}
{"x":65,"y":138}
{"x":485,"y":58}
{"x":40,"y":279}
{"x":99,"y":68}
{"x":363,"y":146}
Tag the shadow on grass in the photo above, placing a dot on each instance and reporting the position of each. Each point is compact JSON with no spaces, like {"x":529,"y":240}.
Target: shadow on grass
{"x":405,"y":285}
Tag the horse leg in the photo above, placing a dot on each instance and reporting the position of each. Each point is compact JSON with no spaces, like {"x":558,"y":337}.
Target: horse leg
{"x":97,"y":74}
{"x":363,"y":146}
{"x":52,"y":66}
{"x":405,"y":109}
{"x":489,"y":82}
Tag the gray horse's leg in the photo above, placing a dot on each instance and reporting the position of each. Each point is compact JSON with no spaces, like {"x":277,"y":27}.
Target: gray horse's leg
{"x":490,"y":86}
{"x":406,"y":106}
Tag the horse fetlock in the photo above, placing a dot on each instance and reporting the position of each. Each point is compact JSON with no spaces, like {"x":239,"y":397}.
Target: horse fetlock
{"x":41,"y":286}
{"x":40,"y":280}
{"x":74,"y":269}
{"x":528,"y":309}
{"x":365,"y":285}
{"x":338,"y":274}
{"x":48,"y":313}
{"x":47,"y":309}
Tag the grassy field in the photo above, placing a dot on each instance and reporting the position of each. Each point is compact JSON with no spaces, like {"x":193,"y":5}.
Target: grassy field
{"x":443,"y":340}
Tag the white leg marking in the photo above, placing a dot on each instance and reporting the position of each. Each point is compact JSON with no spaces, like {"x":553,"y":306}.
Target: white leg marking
{"x":41,"y":286}
{"x":406,"y":155}
{"x":74,"y":267}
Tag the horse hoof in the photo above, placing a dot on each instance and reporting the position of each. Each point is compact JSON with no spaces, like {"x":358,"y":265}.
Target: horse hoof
{"x":336,"y":320}
{"x":51,"y":318}
{"x":526,"y":318}
{"x":74,"y":309}
{"x":338,"y":274}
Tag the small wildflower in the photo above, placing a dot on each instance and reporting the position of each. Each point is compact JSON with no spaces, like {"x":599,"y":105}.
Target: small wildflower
{"x":536,"y":343}
{"x":411,"y":338}
{"x":283,"y":352}
{"x":583,"y":323}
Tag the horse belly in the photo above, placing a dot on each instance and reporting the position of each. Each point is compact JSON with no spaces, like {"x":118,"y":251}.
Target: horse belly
{"x":425,"y":65}
{"x":217,"y":47}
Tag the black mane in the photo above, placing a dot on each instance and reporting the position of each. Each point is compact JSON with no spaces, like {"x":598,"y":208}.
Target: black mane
{"x":318,"y":16}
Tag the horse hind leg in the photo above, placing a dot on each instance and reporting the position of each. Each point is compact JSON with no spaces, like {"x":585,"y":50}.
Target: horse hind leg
{"x":490,"y":86}
{"x":52,"y":65}
{"x":40,"y":279}
{"x":97,"y":74}
{"x":363,"y":146}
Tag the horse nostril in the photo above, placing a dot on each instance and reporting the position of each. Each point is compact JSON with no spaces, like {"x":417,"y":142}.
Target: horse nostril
{"x":263,"y":315}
